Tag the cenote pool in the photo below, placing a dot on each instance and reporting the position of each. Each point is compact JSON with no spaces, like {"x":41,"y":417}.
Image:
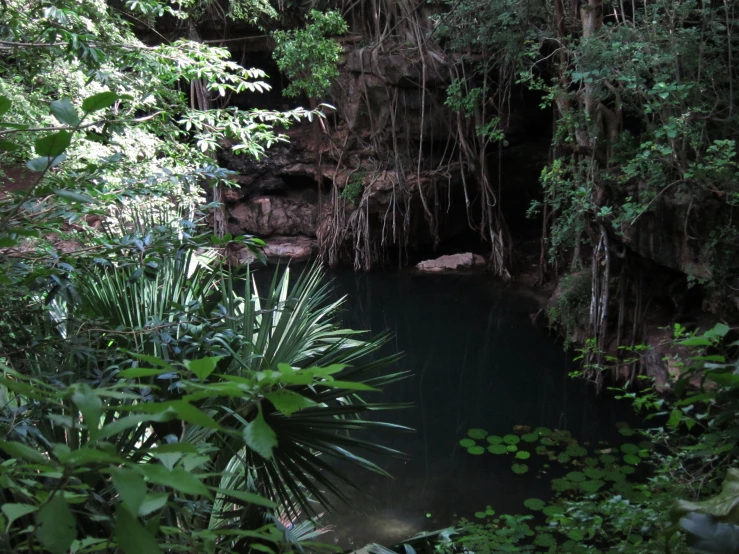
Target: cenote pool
{"x":477,"y":362}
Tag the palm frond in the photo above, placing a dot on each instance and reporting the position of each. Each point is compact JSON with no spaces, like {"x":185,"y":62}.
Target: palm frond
{"x":296,"y":324}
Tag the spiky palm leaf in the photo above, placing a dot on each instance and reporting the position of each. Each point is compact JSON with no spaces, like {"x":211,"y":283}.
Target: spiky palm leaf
{"x":129,"y":298}
{"x":297,"y":326}
{"x":293,"y":324}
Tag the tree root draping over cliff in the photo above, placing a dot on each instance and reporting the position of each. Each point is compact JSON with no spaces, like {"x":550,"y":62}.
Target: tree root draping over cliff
{"x":419,"y":147}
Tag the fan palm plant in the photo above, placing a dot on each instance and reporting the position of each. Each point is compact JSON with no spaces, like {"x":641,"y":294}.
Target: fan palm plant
{"x":185,"y":308}
{"x":292,"y":330}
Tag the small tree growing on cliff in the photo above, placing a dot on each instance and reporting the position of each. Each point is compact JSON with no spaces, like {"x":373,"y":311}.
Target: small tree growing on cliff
{"x":308,"y":56}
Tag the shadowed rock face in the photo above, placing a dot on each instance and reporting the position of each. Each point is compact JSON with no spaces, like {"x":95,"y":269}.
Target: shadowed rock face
{"x":272,"y":215}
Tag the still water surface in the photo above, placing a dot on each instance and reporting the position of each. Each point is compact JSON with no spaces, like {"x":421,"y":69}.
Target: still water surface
{"x":477,"y":362}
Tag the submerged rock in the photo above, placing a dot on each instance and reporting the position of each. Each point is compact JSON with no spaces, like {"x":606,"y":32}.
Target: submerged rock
{"x":453,"y":262}
{"x":278,"y":249}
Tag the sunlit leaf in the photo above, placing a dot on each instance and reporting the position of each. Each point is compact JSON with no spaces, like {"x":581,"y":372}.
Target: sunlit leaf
{"x":56,"y":529}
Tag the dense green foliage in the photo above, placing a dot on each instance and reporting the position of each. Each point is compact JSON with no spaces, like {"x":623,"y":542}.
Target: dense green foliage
{"x":309,"y":56}
{"x":623,"y":497}
{"x":145,"y":406}
{"x":643,"y":159}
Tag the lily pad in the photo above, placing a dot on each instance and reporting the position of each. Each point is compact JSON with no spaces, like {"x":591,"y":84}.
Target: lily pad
{"x":561,"y":485}
{"x":607,"y":458}
{"x":534,"y":504}
{"x":546,"y":540}
{"x":467,"y":443}
{"x":576,"y":450}
{"x":552,"y":511}
{"x":530,"y":437}
{"x":497,"y":449}
{"x":591,"y":486}
{"x":629,"y":448}
{"x":520,"y":469}
{"x":477,"y":433}
{"x":511,"y":439}
{"x":494,"y":439}
{"x":631,"y":459}
{"x":475,"y":450}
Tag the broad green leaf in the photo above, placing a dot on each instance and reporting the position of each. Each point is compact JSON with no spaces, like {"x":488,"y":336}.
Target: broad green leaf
{"x":9,"y":125}
{"x":136,"y":372}
{"x":724,"y":379}
{"x":5,"y":104}
{"x":56,"y":529}
{"x":133,"y":538}
{"x":90,"y":406}
{"x":675,"y":418}
{"x":73,"y":196}
{"x":203,"y":367}
{"x":289,"y":402}
{"x":65,"y":112}
{"x":695,"y":341}
{"x":8,"y":146}
{"x":326,"y":371}
{"x":153,"y":360}
{"x":348,"y":385}
{"x":191,"y":414}
{"x":23,"y":452}
{"x":177,"y":479}
{"x":260,"y":437}
{"x":719,"y":330}
{"x":124,"y":423}
{"x":152,"y":503}
{"x":99,"y":101}
{"x":15,"y":511}
{"x":246,"y":497}
{"x":44,"y":163}
{"x":53,"y":145}
{"x":130,"y":486}
{"x":87,"y":455}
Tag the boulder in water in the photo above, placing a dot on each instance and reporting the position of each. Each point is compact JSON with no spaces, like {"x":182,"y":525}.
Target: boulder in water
{"x":453,"y":262}
{"x":278,"y":249}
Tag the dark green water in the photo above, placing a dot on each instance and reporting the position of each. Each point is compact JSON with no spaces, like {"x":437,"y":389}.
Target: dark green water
{"x":477,"y":362}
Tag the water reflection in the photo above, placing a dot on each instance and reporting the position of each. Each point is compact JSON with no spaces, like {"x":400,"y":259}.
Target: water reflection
{"x":477,"y":361}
